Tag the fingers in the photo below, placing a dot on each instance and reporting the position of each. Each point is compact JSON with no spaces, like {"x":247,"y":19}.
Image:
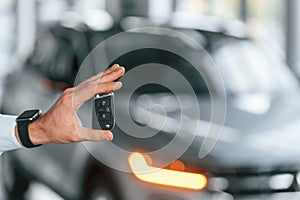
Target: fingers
{"x":100,"y":83}
{"x":107,"y":87}
{"x":88,"y":134}
{"x":112,"y":75}
{"x":115,"y":66}
{"x":82,"y":95}
{"x":101,"y":74}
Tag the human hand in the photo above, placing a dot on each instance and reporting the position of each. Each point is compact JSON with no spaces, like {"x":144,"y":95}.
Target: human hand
{"x":61,"y":124}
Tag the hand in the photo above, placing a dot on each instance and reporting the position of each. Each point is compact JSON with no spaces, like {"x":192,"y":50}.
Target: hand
{"x":61,"y":124}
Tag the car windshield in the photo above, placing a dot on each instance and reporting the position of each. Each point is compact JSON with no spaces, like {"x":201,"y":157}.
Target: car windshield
{"x":253,"y":70}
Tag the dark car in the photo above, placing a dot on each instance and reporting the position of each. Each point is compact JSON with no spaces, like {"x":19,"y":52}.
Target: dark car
{"x":256,"y":155}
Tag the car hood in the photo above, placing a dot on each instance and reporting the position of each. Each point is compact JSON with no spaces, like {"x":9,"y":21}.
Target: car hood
{"x":263,"y":141}
{"x":249,"y":139}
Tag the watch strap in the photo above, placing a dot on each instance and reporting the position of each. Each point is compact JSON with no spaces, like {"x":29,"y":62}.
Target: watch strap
{"x":24,"y":134}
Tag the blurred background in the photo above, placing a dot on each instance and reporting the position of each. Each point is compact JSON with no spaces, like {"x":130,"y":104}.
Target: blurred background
{"x":254,"y":43}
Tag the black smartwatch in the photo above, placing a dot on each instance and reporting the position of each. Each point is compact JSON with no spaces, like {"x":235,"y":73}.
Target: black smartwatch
{"x":23,"y":121}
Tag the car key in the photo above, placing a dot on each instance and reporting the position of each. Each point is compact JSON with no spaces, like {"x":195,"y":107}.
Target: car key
{"x":104,"y":107}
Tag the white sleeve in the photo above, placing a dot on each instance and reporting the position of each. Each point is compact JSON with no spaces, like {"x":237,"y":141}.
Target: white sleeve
{"x":8,"y":140}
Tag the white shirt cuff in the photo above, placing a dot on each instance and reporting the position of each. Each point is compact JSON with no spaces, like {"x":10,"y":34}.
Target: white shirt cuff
{"x":8,"y":140}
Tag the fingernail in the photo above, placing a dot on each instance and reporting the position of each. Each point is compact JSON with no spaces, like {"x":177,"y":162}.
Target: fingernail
{"x":108,"y":137}
{"x":115,"y":66}
{"x":119,"y":84}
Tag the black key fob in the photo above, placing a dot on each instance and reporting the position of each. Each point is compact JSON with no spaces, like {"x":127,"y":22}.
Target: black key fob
{"x":104,"y":107}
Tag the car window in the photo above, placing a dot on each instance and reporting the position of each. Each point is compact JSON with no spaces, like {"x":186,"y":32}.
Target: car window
{"x":251,"y":70}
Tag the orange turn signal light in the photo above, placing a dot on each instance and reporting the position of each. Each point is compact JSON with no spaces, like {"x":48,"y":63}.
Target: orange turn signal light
{"x":166,"y":177}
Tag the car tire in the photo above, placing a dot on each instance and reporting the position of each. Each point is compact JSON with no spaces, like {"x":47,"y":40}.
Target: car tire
{"x":100,"y":187}
{"x":13,"y":182}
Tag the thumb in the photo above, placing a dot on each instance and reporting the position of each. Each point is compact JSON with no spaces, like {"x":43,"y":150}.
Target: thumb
{"x":88,"y":134}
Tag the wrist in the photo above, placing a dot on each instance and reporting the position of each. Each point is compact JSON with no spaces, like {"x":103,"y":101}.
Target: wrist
{"x":29,"y":131}
{"x":37,"y":133}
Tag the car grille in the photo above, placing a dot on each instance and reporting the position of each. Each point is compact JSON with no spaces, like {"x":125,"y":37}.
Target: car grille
{"x":256,"y":183}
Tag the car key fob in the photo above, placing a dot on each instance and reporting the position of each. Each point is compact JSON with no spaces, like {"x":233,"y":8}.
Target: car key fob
{"x":104,"y":107}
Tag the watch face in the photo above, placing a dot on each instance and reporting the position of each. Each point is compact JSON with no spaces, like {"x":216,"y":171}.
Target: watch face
{"x":29,"y":115}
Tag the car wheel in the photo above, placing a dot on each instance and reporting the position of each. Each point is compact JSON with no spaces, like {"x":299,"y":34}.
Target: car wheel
{"x":13,"y":183}
{"x":100,"y":188}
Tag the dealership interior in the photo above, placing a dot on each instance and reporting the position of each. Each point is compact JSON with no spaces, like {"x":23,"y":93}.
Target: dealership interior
{"x":209,"y":108}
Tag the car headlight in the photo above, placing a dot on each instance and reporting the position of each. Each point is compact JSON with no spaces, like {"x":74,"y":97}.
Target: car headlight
{"x":166,"y":177}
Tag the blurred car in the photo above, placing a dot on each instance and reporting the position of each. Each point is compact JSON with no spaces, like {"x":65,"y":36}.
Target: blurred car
{"x":256,"y":157}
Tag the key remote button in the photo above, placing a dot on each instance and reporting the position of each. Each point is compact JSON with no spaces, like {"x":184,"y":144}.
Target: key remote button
{"x":107,"y":109}
{"x":106,"y":125}
{"x":104,"y":102}
{"x":104,"y":116}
